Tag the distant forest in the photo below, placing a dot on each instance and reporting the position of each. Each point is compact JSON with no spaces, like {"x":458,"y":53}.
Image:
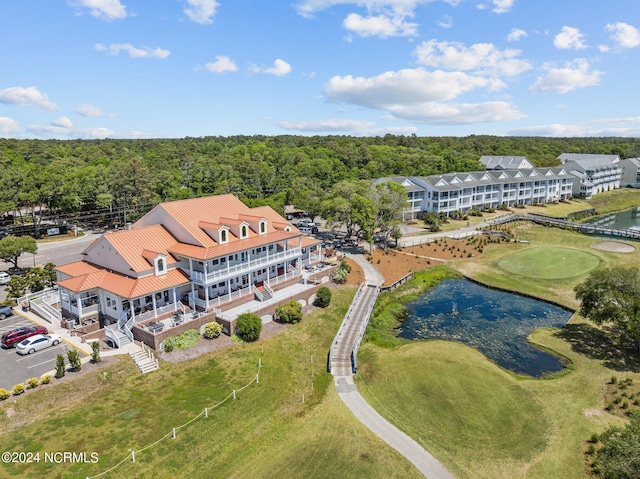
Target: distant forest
{"x":68,"y":176}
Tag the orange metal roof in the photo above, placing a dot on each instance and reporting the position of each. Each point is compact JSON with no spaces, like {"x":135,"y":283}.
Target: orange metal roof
{"x":123,"y":286}
{"x":310,"y":241}
{"x":199,"y":253}
{"x":131,"y":244}
{"x":77,"y":268}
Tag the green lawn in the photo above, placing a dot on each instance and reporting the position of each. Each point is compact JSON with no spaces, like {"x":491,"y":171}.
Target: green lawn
{"x":542,"y":262}
{"x":266,"y":432}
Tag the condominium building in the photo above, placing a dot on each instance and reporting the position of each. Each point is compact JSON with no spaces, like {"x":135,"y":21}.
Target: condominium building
{"x":594,"y":173}
{"x":483,"y":189}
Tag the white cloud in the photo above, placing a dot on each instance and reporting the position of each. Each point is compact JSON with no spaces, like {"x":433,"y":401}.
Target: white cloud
{"x":62,"y":129}
{"x":29,"y":96}
{"x":91,"y":111}
{"x":569,"y":38}
{"x":516,"y":34}
{"x":353,"y":127}
{"x":8,"y":126}
{"x":102,"y":9}
{"x":62,"y":122}
{"x":435,"y":113}
{"x":572,"y":75}
{"x":483,"y":58}
{"x":625,"y":35}
{"x":134,"y":52}
{"x":560,"y":130}
{"x":417,"y":95}
{"x":402,"y":87}
{"x":201,"y":11}
{"x":380,"y":25}
{"x":502,"y":6}
{"x":280,"y":68}
{"x":445,"y":22}
{"x":221,"y":65}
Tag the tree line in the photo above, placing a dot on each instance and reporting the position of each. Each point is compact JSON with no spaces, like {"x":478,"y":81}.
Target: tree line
{"x":69,"y":176}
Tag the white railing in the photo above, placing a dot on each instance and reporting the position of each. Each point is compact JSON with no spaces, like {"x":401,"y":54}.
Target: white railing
{"x":40,"y":311}
{"x":343,"y":325}
{"x":257,"y":292}
{"x":125,"y":324}
{"x":268,"y":289}
{"x":112,"y":337}
{"x":241,"y":268}
{"x":52,"y":311}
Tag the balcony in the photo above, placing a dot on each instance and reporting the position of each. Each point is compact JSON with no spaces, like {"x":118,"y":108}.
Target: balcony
{"x":245,"y":267}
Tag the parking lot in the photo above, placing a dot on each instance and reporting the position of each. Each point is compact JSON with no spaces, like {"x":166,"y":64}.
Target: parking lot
{"x":15,"y":368}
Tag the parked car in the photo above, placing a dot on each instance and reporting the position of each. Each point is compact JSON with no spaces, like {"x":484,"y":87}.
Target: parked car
{"x":38,"y":342}
{"x":10,"y":338}
{"x":17,"y":271}
{"x":4,"y":277}
{"x":5,"y":311}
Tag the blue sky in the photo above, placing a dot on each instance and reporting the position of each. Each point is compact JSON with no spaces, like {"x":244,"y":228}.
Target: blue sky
{"x":176,"y":68}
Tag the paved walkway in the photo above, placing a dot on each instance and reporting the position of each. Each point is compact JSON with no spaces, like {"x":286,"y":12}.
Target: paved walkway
{"x":429,"y":466}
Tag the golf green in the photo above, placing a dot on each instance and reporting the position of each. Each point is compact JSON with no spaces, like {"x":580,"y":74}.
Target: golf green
{"x":549,"y":263}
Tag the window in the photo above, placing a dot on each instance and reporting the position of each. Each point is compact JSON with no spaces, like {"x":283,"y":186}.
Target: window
{"x":111,"y":303}
{"x":263,"y":227}
{"x":244,"y":232}
{"x":223,"y":236}
{"x":160,"y":265}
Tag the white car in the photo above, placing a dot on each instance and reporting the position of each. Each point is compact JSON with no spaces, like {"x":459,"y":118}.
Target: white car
{"x":4,"y":277}
{"x":38,"y":342}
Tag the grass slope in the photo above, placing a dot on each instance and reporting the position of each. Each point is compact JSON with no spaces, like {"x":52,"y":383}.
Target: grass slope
{"x":266,"y":432}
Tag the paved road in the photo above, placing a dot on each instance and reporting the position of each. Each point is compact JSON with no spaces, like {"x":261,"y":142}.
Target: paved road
{"x":61,"y":252}
{"x":429,"y":466}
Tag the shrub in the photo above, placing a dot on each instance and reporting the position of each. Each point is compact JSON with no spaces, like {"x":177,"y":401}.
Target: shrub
{"x":32,"y":383}
{"x":340,"y":276}
{"x":95,"y":352}
{"x":74,"y":360}
{"x":183,"y":341}
{"x":614,"y":380}
{"x":212,"y":330}
{"x":249,"y":327}
{"x":594,"y":438}
{"x":18,"y":389}
{"x":617,"y":399}
{"x":290,"y":312}
{"x":45,"y":379}
{"x":323,"y":297}
{"x":4,"y":394}
{"x":60,"y":369}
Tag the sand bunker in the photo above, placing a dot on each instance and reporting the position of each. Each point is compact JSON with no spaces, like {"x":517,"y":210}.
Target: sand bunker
{"x":614,"y":247}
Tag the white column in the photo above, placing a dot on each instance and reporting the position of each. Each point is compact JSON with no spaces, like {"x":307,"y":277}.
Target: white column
{"x":229,"y":288}
{"x":153,"y":301}
{"x":206,"y":297}
{"x":175,"y":302}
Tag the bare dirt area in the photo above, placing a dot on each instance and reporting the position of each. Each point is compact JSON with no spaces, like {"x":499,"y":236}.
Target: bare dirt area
{"x":614,"y":247}
{"x":394,"y":264}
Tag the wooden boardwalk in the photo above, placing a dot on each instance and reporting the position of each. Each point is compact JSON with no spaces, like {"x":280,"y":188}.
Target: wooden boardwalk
{"x":343,"y":352}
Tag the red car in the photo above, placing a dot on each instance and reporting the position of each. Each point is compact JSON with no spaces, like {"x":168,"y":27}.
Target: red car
{"x":10,"y":338}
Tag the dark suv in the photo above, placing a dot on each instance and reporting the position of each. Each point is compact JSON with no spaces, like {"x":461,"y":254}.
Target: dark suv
{"x":10,"y":338}
{"x":5,"y":311}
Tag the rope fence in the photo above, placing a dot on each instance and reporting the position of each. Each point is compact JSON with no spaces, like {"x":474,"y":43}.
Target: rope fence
{"x":205,"y":412}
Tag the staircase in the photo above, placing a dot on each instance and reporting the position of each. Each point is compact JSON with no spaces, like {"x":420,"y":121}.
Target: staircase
{"x":117,"y":338}
{"x":267,"y":293}
{"x":144,"y":359}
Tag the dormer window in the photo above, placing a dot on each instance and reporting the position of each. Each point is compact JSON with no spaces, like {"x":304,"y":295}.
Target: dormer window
{"x":243,"y":233}
{"x":223,"y":236}
{"x":263,"y":227}
{"x":160,"y":265}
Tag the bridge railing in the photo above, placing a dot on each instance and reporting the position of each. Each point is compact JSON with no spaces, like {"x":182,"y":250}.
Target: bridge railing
{"x":342,"y":326}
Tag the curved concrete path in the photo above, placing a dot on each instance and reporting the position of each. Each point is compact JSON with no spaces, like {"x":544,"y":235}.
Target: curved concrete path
{"x":428,"y":465}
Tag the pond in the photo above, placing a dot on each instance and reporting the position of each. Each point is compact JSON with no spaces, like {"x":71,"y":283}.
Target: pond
{"x":496,"y":323}
{"x":623,"y":219}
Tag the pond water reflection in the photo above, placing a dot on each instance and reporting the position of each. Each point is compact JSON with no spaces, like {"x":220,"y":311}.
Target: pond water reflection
{"x":623,"y":219}
{"x":494,"y":322}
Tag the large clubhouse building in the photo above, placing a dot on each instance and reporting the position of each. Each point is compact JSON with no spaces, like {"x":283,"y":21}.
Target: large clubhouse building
{"x":195,"y":255}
